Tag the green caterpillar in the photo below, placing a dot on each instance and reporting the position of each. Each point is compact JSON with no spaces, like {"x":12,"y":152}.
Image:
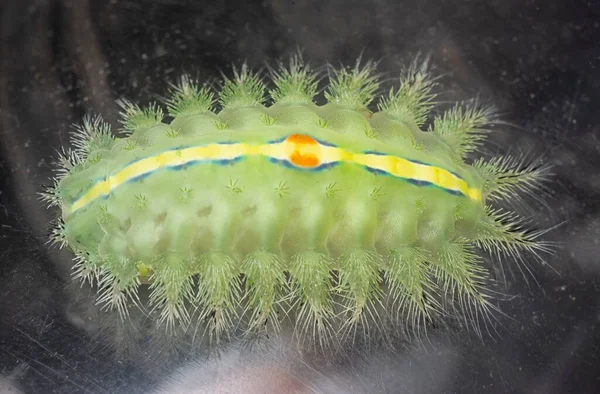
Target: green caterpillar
{"x":335,"y":215}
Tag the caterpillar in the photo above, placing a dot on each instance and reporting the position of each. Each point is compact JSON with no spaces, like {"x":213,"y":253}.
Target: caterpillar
{"x":244,"y":211}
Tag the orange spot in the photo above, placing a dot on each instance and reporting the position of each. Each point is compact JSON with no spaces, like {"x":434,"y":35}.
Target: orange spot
{"x":300,"y":160}
{"x":301,"y":139}
{"x":301,"y":156}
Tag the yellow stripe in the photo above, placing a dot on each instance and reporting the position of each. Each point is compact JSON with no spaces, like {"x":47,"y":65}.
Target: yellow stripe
{"x":395,"y":166}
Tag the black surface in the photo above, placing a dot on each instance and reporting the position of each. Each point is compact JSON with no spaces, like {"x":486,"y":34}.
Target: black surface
{"x":538,"y":61}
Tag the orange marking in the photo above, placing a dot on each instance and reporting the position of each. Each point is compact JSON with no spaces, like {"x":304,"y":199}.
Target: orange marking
{"x":301,"y":156}
{"x":304,"y":160}
{"x":301,"y":139}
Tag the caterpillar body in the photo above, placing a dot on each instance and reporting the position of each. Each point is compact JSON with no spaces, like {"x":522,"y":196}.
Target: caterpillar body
{"x":334,"y":214}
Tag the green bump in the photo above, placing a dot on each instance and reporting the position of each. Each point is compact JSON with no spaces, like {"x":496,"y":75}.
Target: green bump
{"x":171,"y":132}
{"x":268,"y":120}
{"x":143,"y":269}
{"x":322,"y":123}
{"x":346,"y":121}
{"x":377,"y":192}
{"x":282,"y":190}
{"x":141,"y":202}
{"x":233,"y":187}
{"x":186,"y":194}
{"x":331,"y":191}
{"x":130,"y":145}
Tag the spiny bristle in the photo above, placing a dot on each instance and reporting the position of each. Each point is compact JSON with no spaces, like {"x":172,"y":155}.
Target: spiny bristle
{"x":411,"y":289}
{"x":414,"y":98}
{"x":68,"y":162}
{"x":170,"y":302}
{"x":91,"y":135}
{"x":117,"y":284}
{"x":50,"y":195}
{"x":507,"y":176}
{"x":188,"y":98}
{"x":353,"y":88}
{"x":311,"y":275}
{"x":245,"y":89}
{"x":461,"y":276}
{"x":171,"y":286}
{"x":265,"y":280}
{"x":310,"y":272}
{"x":295,"y":84}
{"x":359,"y":276}
{"x":115,"y":292}
{"x":314,"y":327}
{"x":504,"y":232}
{"x":459,"y":269}
{"x":219,"y":288}
{"x":58,"y":235}
{"x":359,"y":279}
{"x":463,"y":128}
{"x":135,"y":118}
{"x":86,"y":269}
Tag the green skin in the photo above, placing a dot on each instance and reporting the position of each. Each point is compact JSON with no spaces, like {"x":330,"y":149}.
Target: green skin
{"x":257,"y":205}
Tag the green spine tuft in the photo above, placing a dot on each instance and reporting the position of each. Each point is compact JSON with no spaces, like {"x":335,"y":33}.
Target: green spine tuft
{"x":50,"y":194}
{"x":412,"y":289}
{"x":295,"y":84}
{"x":92,"y":135}
{"x":353,"y":88}
{"x":86,"y":268}
{"x":504,"y":232}
{"x":171,"y":287}
{"x":188,"y":98}
{"x":359,"y":279}
{"x":462,"y":278}
{"x":245,"y":89}
{"x":414,"y":98}
{"x":134,"y":118}
{"x":463,"y":129}
{"x":312,"y":285}
{"x":219,"y":290}
{"x":265,"y":281}
{"x":68,"y":162}
{"x":117,"y":285}
{"x":506,"y":177}
{"x":58,"y":234}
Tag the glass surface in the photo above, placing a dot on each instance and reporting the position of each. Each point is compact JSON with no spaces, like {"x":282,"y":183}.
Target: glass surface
{"x":536,"y":61}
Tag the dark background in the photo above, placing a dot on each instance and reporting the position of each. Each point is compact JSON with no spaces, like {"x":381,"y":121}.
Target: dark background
{"x":537,"y":61}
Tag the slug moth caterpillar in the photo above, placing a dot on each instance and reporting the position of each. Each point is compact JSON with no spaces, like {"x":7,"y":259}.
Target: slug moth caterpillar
{"x":244,"y":210}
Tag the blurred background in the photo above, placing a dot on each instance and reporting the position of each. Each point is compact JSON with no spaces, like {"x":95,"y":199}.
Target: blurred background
{"x":538,"y":62}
